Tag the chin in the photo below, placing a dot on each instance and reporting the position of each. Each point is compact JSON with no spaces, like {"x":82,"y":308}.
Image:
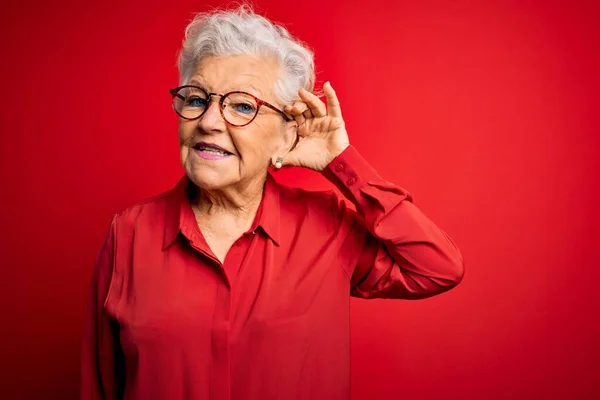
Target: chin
{"x":207,"y":178}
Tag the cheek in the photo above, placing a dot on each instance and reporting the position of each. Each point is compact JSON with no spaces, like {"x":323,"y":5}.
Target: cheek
{"x":185,"y":135}
{"x":260,"y":142}
{"x":247,"y":148}
{"x":186,"y":131}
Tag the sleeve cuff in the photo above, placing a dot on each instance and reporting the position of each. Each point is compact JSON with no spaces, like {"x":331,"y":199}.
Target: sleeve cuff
{"x":349,"y":172}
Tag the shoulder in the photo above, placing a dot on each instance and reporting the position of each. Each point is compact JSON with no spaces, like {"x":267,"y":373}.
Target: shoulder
{"x":149,"y":211}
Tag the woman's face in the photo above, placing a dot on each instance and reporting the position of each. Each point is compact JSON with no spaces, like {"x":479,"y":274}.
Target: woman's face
{"x":250,"y":149}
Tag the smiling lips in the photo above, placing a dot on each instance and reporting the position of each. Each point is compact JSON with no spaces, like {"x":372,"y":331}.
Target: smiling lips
{"x":210,"y":151}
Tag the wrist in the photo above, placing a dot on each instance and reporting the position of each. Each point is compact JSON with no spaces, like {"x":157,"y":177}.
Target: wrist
{"x":332,"y":155}
{"x":336,"y":153}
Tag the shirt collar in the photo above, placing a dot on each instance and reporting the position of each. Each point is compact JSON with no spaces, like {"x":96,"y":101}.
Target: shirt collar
{"x":179,"y":210}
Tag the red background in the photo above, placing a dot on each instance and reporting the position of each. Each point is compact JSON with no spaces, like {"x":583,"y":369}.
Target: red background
{"x":485,"y":111}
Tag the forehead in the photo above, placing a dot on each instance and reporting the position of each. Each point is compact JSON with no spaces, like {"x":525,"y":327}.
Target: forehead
{"x":225,"y":74}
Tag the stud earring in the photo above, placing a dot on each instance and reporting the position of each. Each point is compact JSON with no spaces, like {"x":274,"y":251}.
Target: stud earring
{"x":279,"y":162}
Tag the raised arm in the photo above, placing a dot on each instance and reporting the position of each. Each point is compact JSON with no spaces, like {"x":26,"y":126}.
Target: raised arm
{"x":391,"y":249}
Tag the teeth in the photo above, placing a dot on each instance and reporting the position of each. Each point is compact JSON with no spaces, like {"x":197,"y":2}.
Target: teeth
{"x":213,"y":151}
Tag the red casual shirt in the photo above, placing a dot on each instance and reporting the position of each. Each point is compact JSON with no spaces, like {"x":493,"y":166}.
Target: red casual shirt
{"x":167,"y":320}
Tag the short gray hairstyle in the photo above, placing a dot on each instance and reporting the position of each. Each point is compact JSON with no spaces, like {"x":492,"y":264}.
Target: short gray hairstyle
{"x":242,"y":32}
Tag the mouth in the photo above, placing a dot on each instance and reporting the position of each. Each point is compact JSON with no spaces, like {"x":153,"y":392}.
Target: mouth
{"x":210,"y":151}
{"x":211,"y":148}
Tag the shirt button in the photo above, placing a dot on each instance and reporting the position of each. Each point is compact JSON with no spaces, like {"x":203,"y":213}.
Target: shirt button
{"x":254,"y":232}
{"x":339,"y":167}
{"x":351,"y":181}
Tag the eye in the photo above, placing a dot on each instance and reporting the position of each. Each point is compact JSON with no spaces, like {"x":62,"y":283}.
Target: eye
{"x":243,"y":108}
{"x":195,"y":101}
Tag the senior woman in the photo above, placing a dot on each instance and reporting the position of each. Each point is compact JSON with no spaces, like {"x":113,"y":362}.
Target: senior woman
{"x":231,"y":285}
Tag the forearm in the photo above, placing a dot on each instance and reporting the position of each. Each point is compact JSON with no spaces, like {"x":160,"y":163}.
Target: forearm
{"x":407,"y":255}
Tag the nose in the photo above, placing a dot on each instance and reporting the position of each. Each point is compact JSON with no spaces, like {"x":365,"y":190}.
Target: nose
{"x":212,"y":120}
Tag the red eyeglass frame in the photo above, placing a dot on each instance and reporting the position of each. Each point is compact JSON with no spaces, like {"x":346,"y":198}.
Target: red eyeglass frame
{"x":259,"y":103}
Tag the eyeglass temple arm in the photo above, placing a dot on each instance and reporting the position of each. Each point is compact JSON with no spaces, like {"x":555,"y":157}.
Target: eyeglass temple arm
{"x":175,"y":93}
{"x":272,"y":107}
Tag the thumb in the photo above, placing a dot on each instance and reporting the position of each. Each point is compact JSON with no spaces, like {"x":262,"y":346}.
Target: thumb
{"x":289,"y":160}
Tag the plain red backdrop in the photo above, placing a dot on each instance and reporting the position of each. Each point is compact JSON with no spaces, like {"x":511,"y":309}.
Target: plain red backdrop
{"x":486,"y":111}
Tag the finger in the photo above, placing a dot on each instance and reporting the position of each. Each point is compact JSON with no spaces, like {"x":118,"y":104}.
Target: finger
{"x":333,"y":104}
{"x":290,"y":159}
{"x":300,"y":119}
{"x":297,"y":108}
{"x":308,"y":114}
{"x":315,"y":104}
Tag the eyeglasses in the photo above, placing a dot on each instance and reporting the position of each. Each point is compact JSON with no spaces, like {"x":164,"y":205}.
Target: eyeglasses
{"x":237,"y":108}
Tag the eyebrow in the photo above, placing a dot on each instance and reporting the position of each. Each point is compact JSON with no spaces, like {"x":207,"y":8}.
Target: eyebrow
{"x":194,"y":82}
{"x":249,"y":86}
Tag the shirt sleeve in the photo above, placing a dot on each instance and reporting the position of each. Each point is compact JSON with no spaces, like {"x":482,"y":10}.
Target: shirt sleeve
{"x":100,"y":350}
{"x":390,"y":249}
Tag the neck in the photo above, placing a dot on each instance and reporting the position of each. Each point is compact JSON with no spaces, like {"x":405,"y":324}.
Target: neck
{"x":240,"y":202}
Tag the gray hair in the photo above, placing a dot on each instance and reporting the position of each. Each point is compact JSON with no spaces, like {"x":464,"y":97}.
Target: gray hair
{"x":242,"y":32}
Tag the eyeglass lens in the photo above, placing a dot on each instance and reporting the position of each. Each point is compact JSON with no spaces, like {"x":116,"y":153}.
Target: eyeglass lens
{"x":237,"y":108}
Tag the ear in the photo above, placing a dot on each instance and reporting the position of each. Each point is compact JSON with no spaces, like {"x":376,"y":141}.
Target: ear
{"x":288,"y":140}
{"x":290,"y":136}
